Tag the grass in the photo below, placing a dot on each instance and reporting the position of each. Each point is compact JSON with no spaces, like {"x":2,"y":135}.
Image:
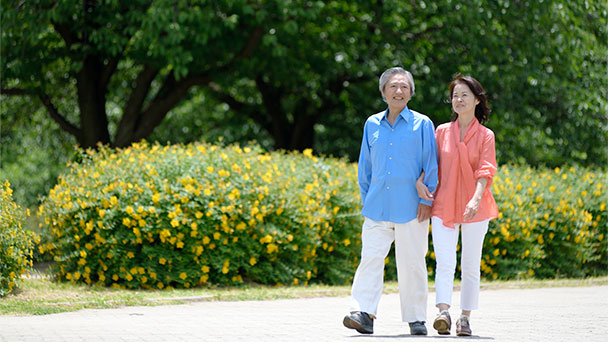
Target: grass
{"x":41,"y":296}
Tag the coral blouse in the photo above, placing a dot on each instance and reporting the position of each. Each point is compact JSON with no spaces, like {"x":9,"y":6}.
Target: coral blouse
{"x":460,"y":165}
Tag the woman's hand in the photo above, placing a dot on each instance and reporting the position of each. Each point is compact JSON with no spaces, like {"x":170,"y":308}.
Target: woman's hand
{"x":423,"y":191}
{"x":473,"y":206}
{"x":471,"y":210}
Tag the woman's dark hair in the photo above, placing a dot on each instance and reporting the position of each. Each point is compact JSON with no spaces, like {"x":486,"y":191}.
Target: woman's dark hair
{"x":482,"y":110}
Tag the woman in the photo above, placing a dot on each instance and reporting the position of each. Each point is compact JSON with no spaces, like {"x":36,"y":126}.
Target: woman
{"x":463,"y":200}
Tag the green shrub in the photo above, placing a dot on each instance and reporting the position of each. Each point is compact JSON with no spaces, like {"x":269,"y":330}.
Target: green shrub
{"x":15,"y":244}
{"x":186,"y":215}
{"x":180,"y":216}
{"x":553,"y":223}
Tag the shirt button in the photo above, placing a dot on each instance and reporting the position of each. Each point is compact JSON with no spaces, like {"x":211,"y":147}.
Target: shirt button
{"x":390,"y":158}
{"x":387,"y":188}
{"x":389,"y":172}
{"x":391,"y":144}
{"x":393,"y":130}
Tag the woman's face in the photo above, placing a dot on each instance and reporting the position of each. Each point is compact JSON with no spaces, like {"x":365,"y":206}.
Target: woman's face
{"x":397,"y":91}
{"x":463,"y":100}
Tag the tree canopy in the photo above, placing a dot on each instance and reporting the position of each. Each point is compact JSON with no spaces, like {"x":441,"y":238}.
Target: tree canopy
{"x":298,"y":74}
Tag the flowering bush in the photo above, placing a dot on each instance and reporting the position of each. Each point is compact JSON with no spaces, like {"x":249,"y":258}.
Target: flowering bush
{"x":185,"y":215}
{"x":180,"y":216}
{"x":16,"y":245}
{"x":552,"y":223}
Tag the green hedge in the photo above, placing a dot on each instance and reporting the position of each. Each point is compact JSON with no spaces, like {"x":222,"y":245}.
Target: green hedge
{"x":16,"y":245}
{"x":186,"y":215}
{"x":553,"y":223}
{"x":181,"y":216}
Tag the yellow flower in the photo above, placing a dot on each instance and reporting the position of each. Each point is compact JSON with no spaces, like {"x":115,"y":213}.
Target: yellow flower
{"x":162,"y":261}
{"x":183,"y":275}
{"x":270,"y":248}
{"x":266,"y":239}
{"x":252,"y":261}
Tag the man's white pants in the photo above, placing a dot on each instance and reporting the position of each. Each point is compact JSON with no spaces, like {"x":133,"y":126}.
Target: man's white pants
{"x":411,"y":245}
{"x":444,"y":244}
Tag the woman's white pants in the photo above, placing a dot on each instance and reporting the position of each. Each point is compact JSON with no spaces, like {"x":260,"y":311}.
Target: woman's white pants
{"x":411,"y":245}
{"x":444,"y":244}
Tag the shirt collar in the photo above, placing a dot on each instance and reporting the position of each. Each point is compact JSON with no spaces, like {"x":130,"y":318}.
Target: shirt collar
{"x":406,"y":114}
{"x":473,"y":127}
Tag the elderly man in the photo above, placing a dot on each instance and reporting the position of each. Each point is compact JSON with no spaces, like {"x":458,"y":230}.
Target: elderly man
{"x":398,"y":144}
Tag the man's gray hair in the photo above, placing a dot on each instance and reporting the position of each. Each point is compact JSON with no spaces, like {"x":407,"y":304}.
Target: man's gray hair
{"x":392,"y":71}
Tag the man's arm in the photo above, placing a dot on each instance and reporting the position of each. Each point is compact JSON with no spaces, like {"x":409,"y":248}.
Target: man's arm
{"x":364,"y":173}
{"x":429,"y":159}
{"x":429,"y":169}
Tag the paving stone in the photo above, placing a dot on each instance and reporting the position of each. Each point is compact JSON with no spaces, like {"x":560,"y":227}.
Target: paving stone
{"x":546,"y":314}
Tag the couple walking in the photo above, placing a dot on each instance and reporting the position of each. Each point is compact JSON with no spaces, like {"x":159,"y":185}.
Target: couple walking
{"x":409,"y":173}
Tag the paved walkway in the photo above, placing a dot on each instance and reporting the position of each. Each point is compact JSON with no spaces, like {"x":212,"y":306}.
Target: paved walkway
{"x":549,"y":314}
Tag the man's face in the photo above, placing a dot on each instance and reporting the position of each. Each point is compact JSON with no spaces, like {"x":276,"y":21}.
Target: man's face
{"x":397,"y":91}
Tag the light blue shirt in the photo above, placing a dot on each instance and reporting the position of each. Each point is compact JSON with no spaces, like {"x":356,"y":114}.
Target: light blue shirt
{"x":391,"y":160}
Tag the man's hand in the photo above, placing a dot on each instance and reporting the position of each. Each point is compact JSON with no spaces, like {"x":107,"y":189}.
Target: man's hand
{"x":424,"y":212}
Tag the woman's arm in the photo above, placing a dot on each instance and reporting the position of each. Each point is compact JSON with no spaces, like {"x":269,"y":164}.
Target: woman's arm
{"x":423,"y":191}
{"x":473,"y":205}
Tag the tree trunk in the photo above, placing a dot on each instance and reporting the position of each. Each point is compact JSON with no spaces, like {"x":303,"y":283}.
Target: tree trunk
{"x":92,"y":104}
